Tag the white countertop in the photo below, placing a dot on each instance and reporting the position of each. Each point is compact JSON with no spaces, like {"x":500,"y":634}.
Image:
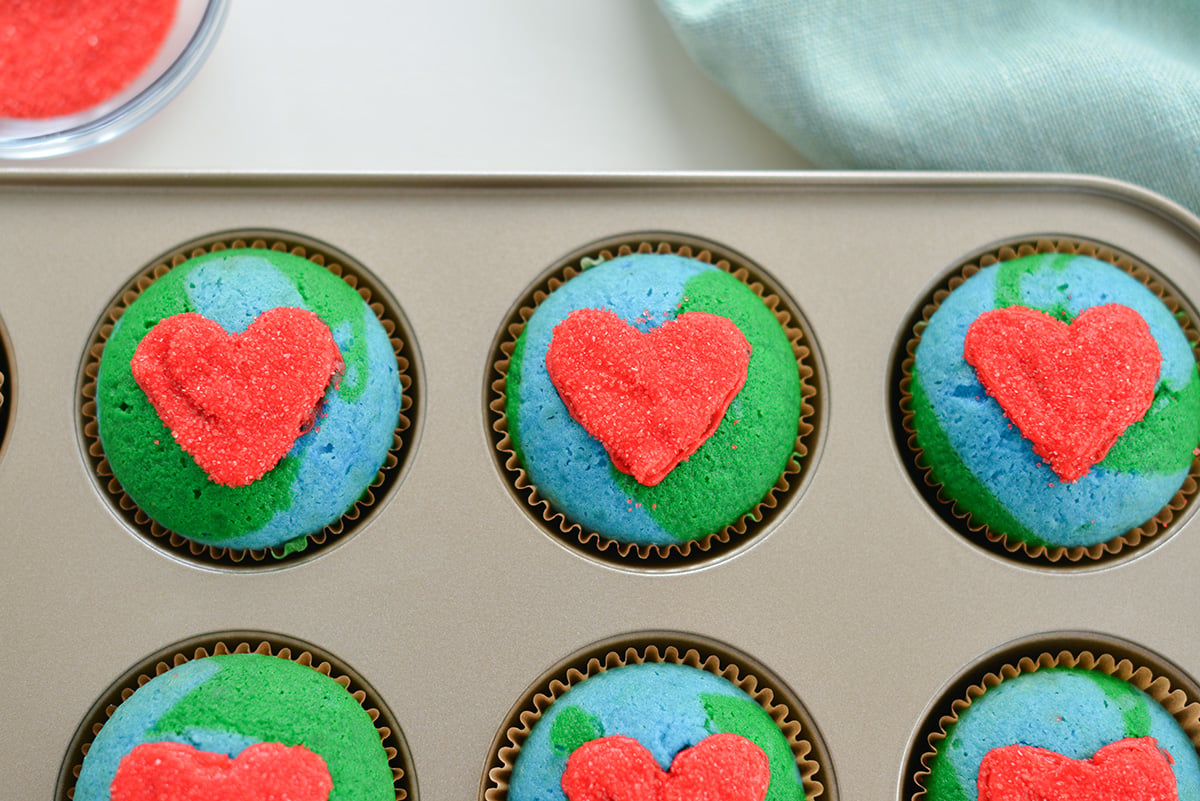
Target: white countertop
{"x":454,"y":86}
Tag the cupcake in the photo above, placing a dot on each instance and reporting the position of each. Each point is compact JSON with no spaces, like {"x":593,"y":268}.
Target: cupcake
{"x":1052,"y":401}
{"x":246,"y":401}
{"x":247,"y":723}
{"x":1065,"y":726}
{"x":654,"y":403}
{"x":668,"y":718}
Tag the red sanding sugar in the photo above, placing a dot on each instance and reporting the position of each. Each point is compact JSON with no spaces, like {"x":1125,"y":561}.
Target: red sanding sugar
{"x":237,"y":403}
{"x":62,"y":56}
{"x":1071,"y":389}
{"x":1134,"y":769}
{"x":651,"y":398}
{"x":262,"y":772}
{"x":721,"y":767}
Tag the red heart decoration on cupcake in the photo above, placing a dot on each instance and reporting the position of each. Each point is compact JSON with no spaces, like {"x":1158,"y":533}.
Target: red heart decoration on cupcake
{"x":1134,"y":769}
{"x":262,"y":772}
{"x":651,"y":398}
{"x":236,"y":403}
{"x":721,"y":767}
{"x":1073,"y":389}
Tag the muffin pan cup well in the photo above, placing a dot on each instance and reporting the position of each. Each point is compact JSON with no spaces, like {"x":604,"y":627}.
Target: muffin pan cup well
{"x":1162,"y":681}
{"x":776,"y":499}
{"x":6,"y":386}
{"x":217,"y":555}
{"x":663,"y":647}
{"x":1119,"y":547}
{"x":450,"y":600}
{"x":240,"y":642}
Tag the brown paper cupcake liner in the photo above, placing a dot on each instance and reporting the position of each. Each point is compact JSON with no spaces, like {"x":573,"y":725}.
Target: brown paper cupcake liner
{"x":241,"y":642}
{"x":719,"y":543}
{"x":961,"y":520}
{"x":764,"y":687}
{"x":6,"y":405}
{"x":1168,"y":685}
{"x":4,"y":408}
{"x":394,"y":324}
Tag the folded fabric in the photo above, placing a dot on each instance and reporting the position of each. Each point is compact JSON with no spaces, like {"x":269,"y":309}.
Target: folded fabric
{"x":1108,"y":87}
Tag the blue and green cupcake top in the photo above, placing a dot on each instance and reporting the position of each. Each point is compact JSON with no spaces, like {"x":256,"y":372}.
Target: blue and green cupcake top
{"x":226,"y":704}
{"x":666,"y":707}
{"x":734,"y":468}
{"x":1073,"y":712}
{"x":323,"y":473}
{"x":984,"y":463}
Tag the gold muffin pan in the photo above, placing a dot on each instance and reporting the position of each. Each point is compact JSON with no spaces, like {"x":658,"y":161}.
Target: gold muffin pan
{"x":450,"y":599}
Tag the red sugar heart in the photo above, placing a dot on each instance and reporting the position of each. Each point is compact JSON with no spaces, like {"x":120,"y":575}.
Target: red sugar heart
{"x":262,"y":772}
{"x":1134,"y":769}
{"x":650,"y":398}
{"x":721,"y":767}
{"x":237,"y":403}
{"x":1072,"y":390}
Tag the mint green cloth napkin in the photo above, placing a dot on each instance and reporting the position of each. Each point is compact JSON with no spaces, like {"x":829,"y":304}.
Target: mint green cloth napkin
{"x":1109,"y":87}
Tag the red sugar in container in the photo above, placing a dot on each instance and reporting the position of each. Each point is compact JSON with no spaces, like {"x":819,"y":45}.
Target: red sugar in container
{"x":74,"y":73}
{"x":61,"y":56}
